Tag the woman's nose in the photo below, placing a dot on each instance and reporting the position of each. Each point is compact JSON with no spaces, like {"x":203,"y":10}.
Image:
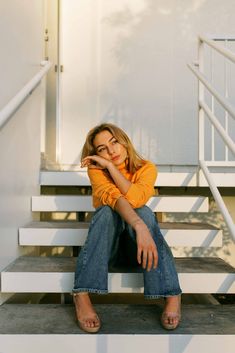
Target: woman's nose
{"x":110,"y":150}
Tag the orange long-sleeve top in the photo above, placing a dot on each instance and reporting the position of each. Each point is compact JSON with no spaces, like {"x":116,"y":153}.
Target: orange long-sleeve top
{"x":105,"y":192}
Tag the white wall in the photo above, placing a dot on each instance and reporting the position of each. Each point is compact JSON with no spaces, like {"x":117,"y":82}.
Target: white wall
{"x":126,"y":61}
{"x":21,"y":38}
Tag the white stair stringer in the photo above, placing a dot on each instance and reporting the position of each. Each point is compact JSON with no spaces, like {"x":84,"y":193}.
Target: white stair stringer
{"x":56,"y":274}
{"x":75,"y":233}
{"x":67,"y":203}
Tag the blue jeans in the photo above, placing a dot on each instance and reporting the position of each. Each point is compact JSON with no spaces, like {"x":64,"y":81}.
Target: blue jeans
{"x":101,"y":248}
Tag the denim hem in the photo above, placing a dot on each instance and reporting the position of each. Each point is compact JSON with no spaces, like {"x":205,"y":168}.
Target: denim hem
{"x":90,"y":290}
{"x":157,"y":296}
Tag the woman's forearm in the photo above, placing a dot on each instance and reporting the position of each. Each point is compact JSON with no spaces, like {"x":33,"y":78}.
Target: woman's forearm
{"x":147,"y":254}
{"x":127,"y":212}
{"x":120,"y":181}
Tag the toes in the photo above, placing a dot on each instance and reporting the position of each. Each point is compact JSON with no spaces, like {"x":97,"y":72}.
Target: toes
{"x":92,"y":323}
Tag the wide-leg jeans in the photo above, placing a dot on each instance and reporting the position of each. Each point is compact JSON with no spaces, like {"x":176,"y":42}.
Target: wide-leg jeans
{"x":101,"y":249}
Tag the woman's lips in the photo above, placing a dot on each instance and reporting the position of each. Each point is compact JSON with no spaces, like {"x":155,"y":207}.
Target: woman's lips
{"x":115,"y":158}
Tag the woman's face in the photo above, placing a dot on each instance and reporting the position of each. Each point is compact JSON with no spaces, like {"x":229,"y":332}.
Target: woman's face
{"x":108,"y":147}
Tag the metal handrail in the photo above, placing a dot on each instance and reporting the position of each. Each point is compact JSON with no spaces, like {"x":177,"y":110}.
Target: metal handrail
{"x":218,"y":198}
{"x":203,"y":108}
{"x":227,"y":106}
{"x":224,"y":51}
{"x":12,"y":106}
{"x":227,"y":139}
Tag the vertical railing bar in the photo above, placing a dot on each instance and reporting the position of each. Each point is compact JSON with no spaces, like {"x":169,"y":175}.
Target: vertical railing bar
{"x":58,"y":85}
{"x":201,"y":96}
{"x":212,"y":109}
{"x":226,"y":96}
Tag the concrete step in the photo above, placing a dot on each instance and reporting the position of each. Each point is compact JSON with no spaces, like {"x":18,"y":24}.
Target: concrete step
{"x":56,"y":275}
{"x":75,"y":233}
{"x":38,"y":328}
{"x":84,"y":203}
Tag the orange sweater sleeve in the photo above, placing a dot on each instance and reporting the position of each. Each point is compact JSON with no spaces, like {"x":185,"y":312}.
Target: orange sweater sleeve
{"x":142,"y":187}
{"x":104,"y":191}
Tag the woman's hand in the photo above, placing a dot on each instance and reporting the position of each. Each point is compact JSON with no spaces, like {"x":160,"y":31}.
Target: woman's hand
{"x":147,"y":253}
{"x":95,"y":162}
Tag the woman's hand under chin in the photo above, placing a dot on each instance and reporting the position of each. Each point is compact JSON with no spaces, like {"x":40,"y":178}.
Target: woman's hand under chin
{"x":95,"y":162}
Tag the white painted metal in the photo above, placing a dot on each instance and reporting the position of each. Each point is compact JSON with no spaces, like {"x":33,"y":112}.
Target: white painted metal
{"x":226,"y":73}
{"x":229,"y":107}
{"x":218,"y":199}
{"x":201,"y":114}
{"x":84,"y":203}
{"x":59,"y":282}
{"x":65,"y":234}
{"x":19,"y":98}
{"x":228,"y":141}
{"x":212,"y":108}
{"x":224,"y":51}
{"x":223,"y":133}
{"x":220,"y":164}
{"x":111,"y":343}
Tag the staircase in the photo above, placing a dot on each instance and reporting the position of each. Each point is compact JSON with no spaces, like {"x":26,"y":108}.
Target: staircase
{"x":126,"y":327}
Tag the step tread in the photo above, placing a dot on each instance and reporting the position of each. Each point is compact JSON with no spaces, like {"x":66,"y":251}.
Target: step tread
{"x":52,"y":319}
{"x":67,"y":264}
{"x":85,"y":225}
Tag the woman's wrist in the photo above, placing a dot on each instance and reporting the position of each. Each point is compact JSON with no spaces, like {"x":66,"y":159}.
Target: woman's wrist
{"x":110,"y":166}
{"x":137,"y":223}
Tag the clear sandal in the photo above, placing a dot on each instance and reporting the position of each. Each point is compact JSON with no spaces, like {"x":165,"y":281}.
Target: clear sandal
{"x":83,"y":323}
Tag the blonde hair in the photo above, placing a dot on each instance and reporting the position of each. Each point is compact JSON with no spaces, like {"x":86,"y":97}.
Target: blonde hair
{"x":134,"y":160}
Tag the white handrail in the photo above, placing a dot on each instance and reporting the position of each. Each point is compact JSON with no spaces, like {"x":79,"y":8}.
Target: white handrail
{"x":224,"y":51}
{"x":227,"y":139}
{"x":19,"y":98}
{"x":227,"y":106}
{"x":203,"y":108}
{"x":218,"y":199}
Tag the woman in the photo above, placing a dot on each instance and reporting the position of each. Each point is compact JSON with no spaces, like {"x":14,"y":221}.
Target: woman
{"x":122,"y":182}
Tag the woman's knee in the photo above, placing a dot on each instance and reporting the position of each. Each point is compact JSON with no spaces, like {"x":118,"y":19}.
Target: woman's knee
{"x":104,"y":214}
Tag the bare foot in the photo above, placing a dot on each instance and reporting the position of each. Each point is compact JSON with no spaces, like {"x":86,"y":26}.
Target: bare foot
{"x":86,"y":315}
{"x":171,"y":313}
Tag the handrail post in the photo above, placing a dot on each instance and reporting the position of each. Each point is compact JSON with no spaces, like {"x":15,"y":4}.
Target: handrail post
{"x":201,"y":97}
{"x":201,"y":114}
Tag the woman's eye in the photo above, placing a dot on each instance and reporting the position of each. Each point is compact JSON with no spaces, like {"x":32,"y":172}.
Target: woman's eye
{"x":101,"y":149}
{"x":114,"y":142}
